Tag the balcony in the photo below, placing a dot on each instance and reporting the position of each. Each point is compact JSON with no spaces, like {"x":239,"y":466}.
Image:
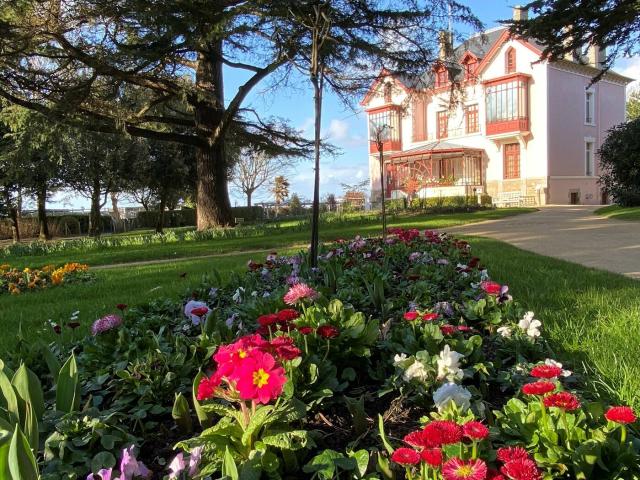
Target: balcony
{"x":388,"y":146}
{"x":502,"y":127}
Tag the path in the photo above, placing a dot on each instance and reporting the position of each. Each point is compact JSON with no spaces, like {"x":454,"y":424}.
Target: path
{"x":570,"y":233}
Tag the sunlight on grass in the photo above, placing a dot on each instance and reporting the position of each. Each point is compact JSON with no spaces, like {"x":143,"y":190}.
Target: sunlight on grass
{"x":619,"y":213}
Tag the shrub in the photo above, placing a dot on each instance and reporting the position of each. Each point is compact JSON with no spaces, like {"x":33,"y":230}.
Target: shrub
{"x":620,"y":164}
{"x":59,"y":226}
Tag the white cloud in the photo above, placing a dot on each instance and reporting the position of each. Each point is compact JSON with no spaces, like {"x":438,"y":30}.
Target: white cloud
{"x":338,"y":130}
{"x":630,"y":67}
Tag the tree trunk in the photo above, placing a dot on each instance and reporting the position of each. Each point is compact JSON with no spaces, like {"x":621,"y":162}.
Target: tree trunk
{"x":315,"y":217}
{"x":212,"y":193}
{"x":42,"y":213}
{"x":249,"y":194}
{"x":116,"y":213}
{"x":161,"y":212}
{"x":95,"y":218}
{"x":14,"y":216}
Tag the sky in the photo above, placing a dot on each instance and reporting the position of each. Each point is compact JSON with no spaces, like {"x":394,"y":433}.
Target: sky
{"x":342,"y":126}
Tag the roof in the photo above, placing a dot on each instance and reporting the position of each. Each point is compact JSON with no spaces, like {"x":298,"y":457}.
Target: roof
{"x":435,"y":148}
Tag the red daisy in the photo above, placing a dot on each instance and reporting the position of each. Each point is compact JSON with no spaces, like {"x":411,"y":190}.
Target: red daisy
{"x":430,"y":317}
{"x":508,"y":454}
{"x":458,"y":469}
{"x":285,"y":348}
{"x":415,"y":439}
{"x":475,"y":430}
{"x":405,"y":456}
{"x":622,"y":415}
{"x":541,"y":387}
{"x":563,"y":400}
{"x":447,"y":329}
{"x":492,"y":288}
{"x":546,"y":371}
{"x":328,"y":331}
{"x":200,"y":311}
{"x":410,"y":316}
{"x":442,"y":432}
{"x":432,"y":457}
{"x":287,"y":315}
{"x":305,"y":330}
{"x":521,"y":469}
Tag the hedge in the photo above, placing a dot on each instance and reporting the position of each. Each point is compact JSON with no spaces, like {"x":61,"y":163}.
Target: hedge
{"x":187,"y":216}
{"x":70,"y":225}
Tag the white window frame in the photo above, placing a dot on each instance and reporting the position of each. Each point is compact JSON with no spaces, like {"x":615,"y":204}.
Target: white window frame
{"x":590,"y":107}
{"x":589,"y":162}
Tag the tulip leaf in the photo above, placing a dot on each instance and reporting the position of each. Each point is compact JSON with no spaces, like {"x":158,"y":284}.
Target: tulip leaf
{"x":203,"y":418}
{"x":181,"y":414}
{"x":9,"y":399}
{"x":29,"y":389}
{"x":22,"y":463}
{"x":31,"y":426}
{"x":68,"y":387}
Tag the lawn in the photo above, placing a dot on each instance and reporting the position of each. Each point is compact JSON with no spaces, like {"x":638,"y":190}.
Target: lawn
{"x":186,"y":249}
{"x":619,"y":213}
{"x":590,"y":316}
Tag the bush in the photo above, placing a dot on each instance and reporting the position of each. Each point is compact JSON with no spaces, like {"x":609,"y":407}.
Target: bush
{"x":440,"y":204}
{"x":59,"y":226}
{"x":187,"y":217}
{"x":620,"y":164}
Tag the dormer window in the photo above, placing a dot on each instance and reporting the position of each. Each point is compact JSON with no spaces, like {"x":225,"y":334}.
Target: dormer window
{"x":510,"y":60}
{"x":442,"y":77}
{"x":388,"y":92}
{"x":470,"y":66}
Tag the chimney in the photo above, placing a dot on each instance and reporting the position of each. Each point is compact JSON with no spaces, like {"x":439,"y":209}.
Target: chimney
{"x":444,"y":42}
{"x":596,"y":55}
{"x":520,"y":13}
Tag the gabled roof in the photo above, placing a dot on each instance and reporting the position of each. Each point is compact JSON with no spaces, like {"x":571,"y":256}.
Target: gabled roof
{"x":404,"y":81}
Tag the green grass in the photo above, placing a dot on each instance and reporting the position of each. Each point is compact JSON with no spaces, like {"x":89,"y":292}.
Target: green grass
{"x":186,"y":249}
{"x":132,"y":285}
{"x":619,"y":213}
{"x":591,"y":317}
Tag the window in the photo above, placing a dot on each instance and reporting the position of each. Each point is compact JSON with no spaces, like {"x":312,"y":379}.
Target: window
{"x":511,"y":160}
{"x":471,"y":116}
{"x":589,"y":158}
{"x":443,"y":125}
{"x":419,"y":120}
{"x":470,"y":68}
{"x":589,"y":107}
{"x":387,"y":92}
{"x":510,"y":60}
{"x":442,"y":77}
{"x":507,"y":101}
{"x":386,"y":118}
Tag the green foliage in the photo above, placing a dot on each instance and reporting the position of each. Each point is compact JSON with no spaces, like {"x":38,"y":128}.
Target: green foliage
{"x":441,"y":204}
{"x":633,"y":105}
{"x":620,"y":163}
{"x":68,"y":387}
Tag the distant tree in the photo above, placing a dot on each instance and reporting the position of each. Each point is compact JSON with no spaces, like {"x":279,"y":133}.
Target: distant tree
{"x":253,"y":169}
{"x":633,"y":105}
{"x":564,"y":27}
{"x":620,"y":164}
{"x":280,"y":190}
{"x":295,"y":205}
{"x":38,"y":150}
{"x":98,"y":164}
{"x":331,"y":202}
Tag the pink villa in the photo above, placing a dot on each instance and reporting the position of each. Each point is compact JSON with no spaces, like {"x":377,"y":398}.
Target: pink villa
{"x":522,"y":130}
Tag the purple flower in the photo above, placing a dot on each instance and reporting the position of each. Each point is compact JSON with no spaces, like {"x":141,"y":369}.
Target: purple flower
{"x":504,"y":296}
{"x":106,"y":323}
{"x":177,"y":466}
{"x":443,"y":308}
{"x":130,"y":466}
{"x":104,"y":474}
{"x":194,"y":460}
{"x":415,"y":256}
{"x":442,"y":261}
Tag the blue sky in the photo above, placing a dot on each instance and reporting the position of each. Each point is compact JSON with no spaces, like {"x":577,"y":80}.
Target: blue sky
{"x":343,"y":126}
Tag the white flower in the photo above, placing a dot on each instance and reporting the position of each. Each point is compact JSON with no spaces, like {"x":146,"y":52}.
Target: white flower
{"x":254,"y":294}
{"x":399,"y":358}
{"x":530,"y":325}
{"x":505,"y":332}
{"x":553,"y":363}
{"x":450,"y":392}
{"x":415,"y":370}
{"x":237,"y":296}
{"x":484,"y":275}
{"x":449,"y":365}
{"x":190,"y":306}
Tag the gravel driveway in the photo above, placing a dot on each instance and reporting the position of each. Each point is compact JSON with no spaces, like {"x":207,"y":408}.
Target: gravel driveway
{"x":570,"y":233}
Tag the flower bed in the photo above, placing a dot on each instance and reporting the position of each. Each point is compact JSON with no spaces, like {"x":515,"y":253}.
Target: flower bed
{"x":396,"y":358}
{"x":15,"y":281}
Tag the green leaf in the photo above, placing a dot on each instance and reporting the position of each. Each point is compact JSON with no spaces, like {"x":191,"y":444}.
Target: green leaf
{"x":203,"y":418}
{"x":31,"y":426}
{"x":9,"y":399}
{"x":324,"y":464}
{"x":257,"y":421}
{"x":51,"y":360}
{"x":181,"y":414}
{"x":362,"y":461}
{"x":290,"y":440}
{"x":68,"y":387}
{"x":6,"y":433}
{"x":229,"y":468}
{"x":22,"y":463}
{"x":383,"y":437}
{"x":29,"y":389}
{"x":102,"y":460}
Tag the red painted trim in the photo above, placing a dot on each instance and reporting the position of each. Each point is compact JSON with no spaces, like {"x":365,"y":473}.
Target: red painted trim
{"x":383,"y":74}
{"x":506,"y":78}
{"x":434,"y":152}
{"x":384,"y":108}
{"x":506,"y":36}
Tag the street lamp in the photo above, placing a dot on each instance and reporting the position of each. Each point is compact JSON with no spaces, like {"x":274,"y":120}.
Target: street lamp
{"x":379,"y":135}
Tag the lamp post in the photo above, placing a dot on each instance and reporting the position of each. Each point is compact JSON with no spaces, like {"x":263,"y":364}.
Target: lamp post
{"x":379,"y":135}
